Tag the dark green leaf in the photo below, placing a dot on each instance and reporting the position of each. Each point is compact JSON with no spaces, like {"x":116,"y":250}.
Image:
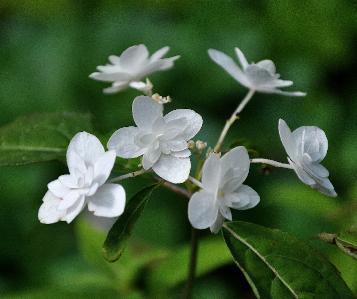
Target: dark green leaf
{"x":277,"y":265}
{"x":40,"y":137}
{"x":120,"y":232}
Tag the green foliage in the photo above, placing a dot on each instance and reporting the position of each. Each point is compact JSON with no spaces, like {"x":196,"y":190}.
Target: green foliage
{"x":40,"y":137}
{"x":212,"y":254}
{"x":277,"y":265}
{"x":120,"y":232}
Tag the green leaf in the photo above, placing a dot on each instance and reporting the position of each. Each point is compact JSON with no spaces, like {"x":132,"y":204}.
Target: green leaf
{"x":120,"y":232}
{"x":40,"y":137}
{"x":167,"y":273}
{"x":277,"y":265}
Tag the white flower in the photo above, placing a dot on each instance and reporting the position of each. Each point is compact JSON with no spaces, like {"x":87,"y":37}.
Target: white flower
{"x":89,"y":168}
{"x":162,"y":140}
{"x":307,"y":147}
{"x":223,"y":189}
{"x":260,"y":76}
{"x":131,"y":67}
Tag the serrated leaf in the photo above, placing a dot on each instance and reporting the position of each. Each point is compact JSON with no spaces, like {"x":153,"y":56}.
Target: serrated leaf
{"x":40,"y":137}
{"x":120,"y":232}
{"x":279,"y":266}
{"x":212,"y":254}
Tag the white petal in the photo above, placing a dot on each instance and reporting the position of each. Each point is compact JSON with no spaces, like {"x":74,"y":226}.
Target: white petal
{"x":123,"y":143}
{"x":108,"y":201}
{"x":110,"y":77}
{"x":73,"y":211}
{"x":76,"y":165}
{"x":116,"y":87}
{"x":57,"y":188}
{"x":202,"y":211}
{"x":70,"y":199}
{"x":287,"y":139}
{"x":69,"y":181}
{"x":226,"y":212}
{"x":243,"y":61}
{"x":177,"y":145}
{"x":268,"y":65}
{"x":103,"y":166}
{"x":284,"y":93}
{"x":151,"y":157}
{"x":159,"y":54}
{"x":138,"y":85}
{"x":211,"y":173}
{"x":228,"y":64}
{"x":258,"y":77}
{"x":87,"y":146}
{"x":48,"y":212}
{"x":216,"y":226}
{"x":246,"y":192}
{"x":146,"y":111}
{"x":325,"y":187}
{"x":235,"y":166}
{"x":133,"y":57}
{"x":194,"y":121}
{"x":302,"y":174}
{"x":182,"y":154}
{"x":114,"y":59}
{"x":172,"y":169}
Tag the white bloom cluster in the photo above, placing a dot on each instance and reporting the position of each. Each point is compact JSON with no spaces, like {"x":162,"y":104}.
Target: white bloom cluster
{"x":164,"y":143}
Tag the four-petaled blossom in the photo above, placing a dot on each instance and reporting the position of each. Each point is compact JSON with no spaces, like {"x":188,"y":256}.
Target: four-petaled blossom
{"x":161,"y":140}
{"x":131,"y":67}
{"x":307,"y":147}
{"x":89,"y":168}
{"x":223,"y":189}
{"x":260,"y":76}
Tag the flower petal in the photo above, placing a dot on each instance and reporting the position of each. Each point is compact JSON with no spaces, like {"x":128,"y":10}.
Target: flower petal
{"x":243,"y":61}
{"x":57,"y":188}
{"x":110,"y":77}
{"x":267,"y":65}
{"x":302,"y":174}
{"x":194,"y":121}
{"x":259,"y":77}
{"x":216,"y":226}
{"x":287,"y":139}
{"x":103,"y":166}
{"x":202,"y":211}
{"x":73,"y":211}
{"x":123,"y":143}
{"x":182,"y":154}
{"x":87,"y":146}
{"x":172,"y":169}
{"x":146,"y":111}
{"x":48,"y":212}
{"x":228,"y":64}
{"x":211,"y":173}
{"x":69,"y":181}
{"x":235,"y":167}
{"x":70,"y":199}
{"x":150,"y":157}
{"x":133,"y":57}
{"x":116,"y":87}
{"x":108,"y":201}
{"x":246,"y":194}
{"x":159,"y":54}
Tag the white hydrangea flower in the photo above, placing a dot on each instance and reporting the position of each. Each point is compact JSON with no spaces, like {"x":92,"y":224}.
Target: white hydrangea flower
{"x":223,"y":189}
{"x":161,"y":140}
{"x":131,"y":67}
{"x":260,"y":76}
{"x":89,"y":167}
{"x":307,"y":147}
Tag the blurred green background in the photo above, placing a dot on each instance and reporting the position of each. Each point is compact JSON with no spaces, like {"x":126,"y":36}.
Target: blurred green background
{"x":47,"y":51}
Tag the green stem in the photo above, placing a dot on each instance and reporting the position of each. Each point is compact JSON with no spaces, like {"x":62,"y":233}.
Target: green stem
{"x":192,"y":265}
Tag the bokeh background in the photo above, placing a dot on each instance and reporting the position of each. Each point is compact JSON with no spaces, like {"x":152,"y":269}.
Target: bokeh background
{"x":47,"y":51}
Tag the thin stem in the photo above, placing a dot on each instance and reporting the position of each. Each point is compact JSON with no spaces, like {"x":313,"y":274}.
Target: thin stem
{"x":272,"y":163}
{"x":192,"y":264}
{"x":128,"y":175}
{"x":196,"y":182}
{"x":232,"y":119}
{"x":176,"y":189}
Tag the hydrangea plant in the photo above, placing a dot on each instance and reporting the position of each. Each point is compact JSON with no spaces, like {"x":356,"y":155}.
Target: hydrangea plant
{"x":161,"y":145}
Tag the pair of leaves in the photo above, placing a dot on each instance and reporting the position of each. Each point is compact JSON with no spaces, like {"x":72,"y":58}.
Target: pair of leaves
{"x":277,"y":265}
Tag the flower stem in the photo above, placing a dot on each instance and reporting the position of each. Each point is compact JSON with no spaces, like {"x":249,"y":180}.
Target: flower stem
{"x":128,"y":175}
{"x":196,"y":182}
{"x":272,"y":163}
{"x":176,"y":189}
{"x":232,"y":119}
{"x":192,"y":265}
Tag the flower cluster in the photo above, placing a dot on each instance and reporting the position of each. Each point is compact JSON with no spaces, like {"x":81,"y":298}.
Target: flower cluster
{"x":165,"y":142}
